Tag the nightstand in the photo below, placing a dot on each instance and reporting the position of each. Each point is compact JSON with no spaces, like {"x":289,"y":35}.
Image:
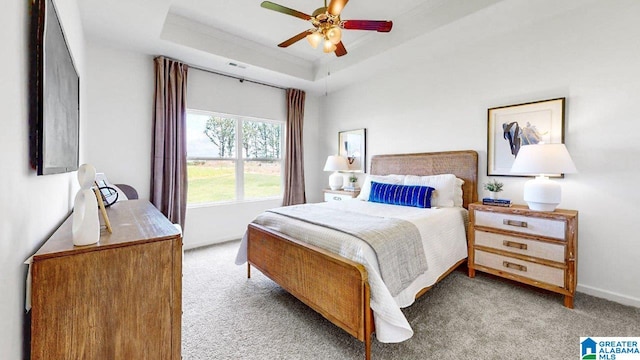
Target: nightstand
{"x":339,"y":195}
{"x":537,"y":248}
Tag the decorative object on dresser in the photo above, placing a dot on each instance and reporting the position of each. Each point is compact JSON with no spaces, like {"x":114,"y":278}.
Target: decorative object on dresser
{"x":514,"y":126}
{"x":496,"y":202}
{"x":542,"y":194}
{"x":493,"y":187}
{"x":340,"y":195}
{"x":336,"y":163}
{"x":352,"y":145}
{"x":538,"y":248}
{"x":353,"y":183}
{"x":86,"y":224}
{"x":118,"y":299}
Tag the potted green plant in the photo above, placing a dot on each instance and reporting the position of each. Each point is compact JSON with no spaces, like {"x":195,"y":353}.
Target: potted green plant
{"x":353,"y":179}
{"x":493,"y":187}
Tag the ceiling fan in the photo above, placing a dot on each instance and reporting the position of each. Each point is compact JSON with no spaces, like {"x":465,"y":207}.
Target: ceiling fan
{"x":327,"y":25}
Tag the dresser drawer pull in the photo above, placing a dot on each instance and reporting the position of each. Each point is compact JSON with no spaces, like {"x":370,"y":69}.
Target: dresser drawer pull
{"x":337,"y":198}
{"x":514,"y":244}
{"x":514,"y":266}
{"x":514,"y":223}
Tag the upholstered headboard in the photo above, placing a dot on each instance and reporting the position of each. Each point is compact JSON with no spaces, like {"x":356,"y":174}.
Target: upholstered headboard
{"x":463,"y":164}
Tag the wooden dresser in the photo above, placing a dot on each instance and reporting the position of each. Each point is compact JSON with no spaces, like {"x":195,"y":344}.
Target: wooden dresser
{"x":118,"y":299}
{"x":538,"y":248}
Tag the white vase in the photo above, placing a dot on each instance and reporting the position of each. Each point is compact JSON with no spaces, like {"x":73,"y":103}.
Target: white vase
{"x":493,"y":195}
{"x":86,"y":224}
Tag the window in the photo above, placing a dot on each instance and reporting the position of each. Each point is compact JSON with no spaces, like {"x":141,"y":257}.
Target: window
{"x":232,"y":158}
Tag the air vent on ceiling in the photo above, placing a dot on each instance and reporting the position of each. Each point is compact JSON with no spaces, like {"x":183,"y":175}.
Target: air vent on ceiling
{"x":240,"y":66}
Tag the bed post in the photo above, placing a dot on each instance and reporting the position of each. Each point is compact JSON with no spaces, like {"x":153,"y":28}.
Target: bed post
{"x":248,"y":270}
{"x":368,"y":322}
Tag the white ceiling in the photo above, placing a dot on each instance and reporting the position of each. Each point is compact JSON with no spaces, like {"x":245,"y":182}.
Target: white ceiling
{"x":210,"y":34}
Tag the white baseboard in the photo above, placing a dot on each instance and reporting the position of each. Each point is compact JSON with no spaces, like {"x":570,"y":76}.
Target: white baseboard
{"x":188,"y":245}
{"x":619,"y":298}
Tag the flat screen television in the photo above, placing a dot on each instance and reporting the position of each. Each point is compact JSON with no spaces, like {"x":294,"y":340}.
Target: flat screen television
{"x":55,"y":95}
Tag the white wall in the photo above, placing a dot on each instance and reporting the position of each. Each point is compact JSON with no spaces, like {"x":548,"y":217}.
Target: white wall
{"x":119,"y":103}
{"x":31,"y":207}
{"x":507,"y":54}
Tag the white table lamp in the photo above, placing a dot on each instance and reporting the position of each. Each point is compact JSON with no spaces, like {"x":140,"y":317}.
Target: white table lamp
{"x":542,"y":194}
{"x":336,"y":163}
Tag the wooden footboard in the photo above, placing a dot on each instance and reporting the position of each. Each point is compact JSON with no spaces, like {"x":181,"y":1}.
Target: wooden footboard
{"x":334,"y":286}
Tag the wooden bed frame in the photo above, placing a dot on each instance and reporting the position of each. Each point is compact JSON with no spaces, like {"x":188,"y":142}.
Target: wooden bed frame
{"x":332,"y":285}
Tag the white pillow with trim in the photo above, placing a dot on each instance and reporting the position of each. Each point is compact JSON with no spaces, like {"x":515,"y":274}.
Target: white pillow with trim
{"x":384,"y":179}
{"x":445,"y":185}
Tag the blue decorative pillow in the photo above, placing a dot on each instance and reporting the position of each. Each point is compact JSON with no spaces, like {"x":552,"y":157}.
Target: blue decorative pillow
{"x":405,"y":195}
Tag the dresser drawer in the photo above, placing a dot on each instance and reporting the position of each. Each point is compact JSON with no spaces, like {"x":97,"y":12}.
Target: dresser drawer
{"x":539,"y":249}
{"x":524,"y":224}
{"x":336,"y":197}
{"x":538,"y":272}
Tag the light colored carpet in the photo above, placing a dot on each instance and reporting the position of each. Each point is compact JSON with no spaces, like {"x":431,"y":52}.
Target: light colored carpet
{"x":227,"y":316}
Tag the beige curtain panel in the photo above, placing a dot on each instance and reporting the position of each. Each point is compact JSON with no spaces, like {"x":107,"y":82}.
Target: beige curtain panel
{"x":169,"y":149}
{"x":294,"y":155}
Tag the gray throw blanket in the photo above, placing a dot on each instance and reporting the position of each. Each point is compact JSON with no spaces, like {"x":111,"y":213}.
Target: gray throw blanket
{"x":396,"y":242}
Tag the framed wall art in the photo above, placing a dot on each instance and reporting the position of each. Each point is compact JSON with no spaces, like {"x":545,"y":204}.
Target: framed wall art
{"x":55,"y":94}
{"x":513,"y":126}
{"x":352,"y":145}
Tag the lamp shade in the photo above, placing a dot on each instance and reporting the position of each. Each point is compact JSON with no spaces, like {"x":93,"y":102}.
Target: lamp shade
{"x":336,"y":163}
{"x":543,"y":159}
{"x":542,"y":194}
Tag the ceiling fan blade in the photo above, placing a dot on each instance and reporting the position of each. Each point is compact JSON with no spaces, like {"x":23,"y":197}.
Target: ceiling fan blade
{"x":294,"y":39}
{"x":372,"y":25}
{"x":340,"y":50}
{"x":335,"y":6}
{"x":285,"y":10}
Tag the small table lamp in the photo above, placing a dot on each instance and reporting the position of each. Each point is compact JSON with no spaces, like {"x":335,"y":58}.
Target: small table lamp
{"x":542,"y":194}
{"x":335,"y":163}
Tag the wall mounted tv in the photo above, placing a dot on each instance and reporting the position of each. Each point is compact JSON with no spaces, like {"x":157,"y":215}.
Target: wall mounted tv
{"x":55,"y":95}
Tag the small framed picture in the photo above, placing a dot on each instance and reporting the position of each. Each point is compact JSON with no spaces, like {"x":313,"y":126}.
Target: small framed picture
{"x":352,"y":145}
{"x":513,"y":126}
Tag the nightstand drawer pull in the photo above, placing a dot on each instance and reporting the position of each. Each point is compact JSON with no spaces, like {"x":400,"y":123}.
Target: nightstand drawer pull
{"x":514,"y":266}
{"x":337,"y":198}
{"x":515,"y":223}
{"x":514,"y":244}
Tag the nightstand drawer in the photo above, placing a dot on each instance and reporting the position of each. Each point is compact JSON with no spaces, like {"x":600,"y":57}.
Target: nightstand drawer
{"x":539,"y":249}
{"x":524,"y":224}
{"x":538,"y":272}
{"x":336,"y":197}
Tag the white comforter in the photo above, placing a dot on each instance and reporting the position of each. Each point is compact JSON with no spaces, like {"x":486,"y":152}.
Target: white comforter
{"x":443,"y":237}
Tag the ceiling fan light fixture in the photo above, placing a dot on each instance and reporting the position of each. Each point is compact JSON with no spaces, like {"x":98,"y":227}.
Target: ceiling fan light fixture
{"x":314,"y":39}
{"x":327,"y":25}
{"x":328,"y":46}
{"x":334,"y":34}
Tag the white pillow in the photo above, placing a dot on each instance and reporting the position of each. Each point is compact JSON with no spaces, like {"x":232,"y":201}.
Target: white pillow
{"x":445,"y":185}
{"x":384,"y":179}
{"x":457,"y":193}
